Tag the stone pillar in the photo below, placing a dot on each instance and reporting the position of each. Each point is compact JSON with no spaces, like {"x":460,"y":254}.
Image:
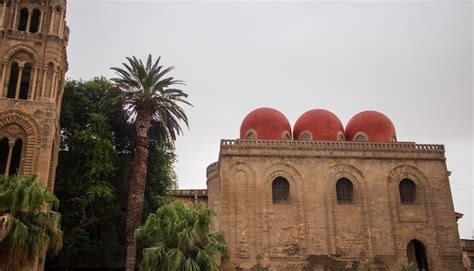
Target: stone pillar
{"x":28,"y":22}
{"x":3,"y":13}
{"x":40,"y":26}
{"x":51,"y":25}
{"x":61,"y":24}
{"x":32,"y":92}
{"x":18,"y":83}
{"x":9,"y":157}
{"x":3,"y":90}
{"x":43,"y":88}
{"x":53,"y":84}
{"x":15,"y":16}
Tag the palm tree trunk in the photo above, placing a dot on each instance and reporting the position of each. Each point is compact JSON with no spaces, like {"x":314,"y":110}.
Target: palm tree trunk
{"x":137,"y":186}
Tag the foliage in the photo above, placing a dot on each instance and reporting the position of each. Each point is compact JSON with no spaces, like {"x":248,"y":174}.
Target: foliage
{"x":151,"y":99}
{"x":177,"y":237}
{"x":410,"y":267}
{"x":27,"y":225}
{"x":93,"y":172}
{"x":144,"y":88}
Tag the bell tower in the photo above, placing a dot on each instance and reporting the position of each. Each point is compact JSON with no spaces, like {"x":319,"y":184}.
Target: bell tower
{"x":33,"y":41}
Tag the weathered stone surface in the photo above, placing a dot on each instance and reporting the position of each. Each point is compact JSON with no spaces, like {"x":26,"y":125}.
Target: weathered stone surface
{"x":313,"y":231}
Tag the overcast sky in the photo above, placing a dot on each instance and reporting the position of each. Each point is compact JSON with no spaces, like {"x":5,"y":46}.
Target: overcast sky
{"x":409,"y":60}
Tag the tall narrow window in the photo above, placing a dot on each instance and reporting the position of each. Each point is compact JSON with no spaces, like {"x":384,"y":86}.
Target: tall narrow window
{"x":25,"y":81}
{"x":4,"y":149}
{"x":13,"y":81}
{"x":344,"y":191}
{"x":407,"y":191}
{"x":16,"y":157}
{"x":23,"y":19}
{"x":35,"y":21}
{"x":280,"y":190}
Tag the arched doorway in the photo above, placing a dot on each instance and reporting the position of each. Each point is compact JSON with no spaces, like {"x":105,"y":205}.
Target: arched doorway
{"x":416,"y":254}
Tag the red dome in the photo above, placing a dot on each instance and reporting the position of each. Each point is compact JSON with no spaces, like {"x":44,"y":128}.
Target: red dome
{"x":265,"y":123}
{"x":321,"y":125}
{"x":373,"y":125}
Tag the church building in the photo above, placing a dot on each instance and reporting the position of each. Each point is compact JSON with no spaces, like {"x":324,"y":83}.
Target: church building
{"x":33,"y":41}
{"x":322,"y":196}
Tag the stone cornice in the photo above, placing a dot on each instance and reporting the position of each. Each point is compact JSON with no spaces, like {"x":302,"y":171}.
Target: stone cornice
{"x":346,"y":149}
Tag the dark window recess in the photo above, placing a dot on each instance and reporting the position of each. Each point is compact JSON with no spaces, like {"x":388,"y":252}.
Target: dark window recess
{"x":4,"y":148}
{"x":23,"y":19}
{"x":344,"y":191}
{"x":35,"y":20}
{"x":25,"y":82}
{"x":280,"y":190}
{"x":16,"y":157}
{"x":12,"y":82}
{"x":407,"y":191}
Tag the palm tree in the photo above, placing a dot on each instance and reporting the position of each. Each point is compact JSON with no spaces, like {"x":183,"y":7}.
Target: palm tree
{"x":27,"y":224}
{"x":177,"y":237}
{"x":146,"y":92}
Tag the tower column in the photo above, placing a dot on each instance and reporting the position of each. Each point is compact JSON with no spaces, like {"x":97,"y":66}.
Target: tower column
{"x":61,"y":25}
{"x":51,"y":25}
{"x":9,"y":157}
{"x":15,"y":17}
{"x":2,"y":83}
{"x":43,"y":88}
{"x":40,"y":26}
{"x":53,"y":86}
{"x":28,"y":22}
{"x":3,"y":13}
{"x":33,"y":85}
{"x":18,"y":83}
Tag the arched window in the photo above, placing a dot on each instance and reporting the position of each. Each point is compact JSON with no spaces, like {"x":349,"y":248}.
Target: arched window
{"x":16,"y":90}
{"x":35,"y":21}
{"x":251,"y":135}
{"x":280,"y":190}
{"x":407,"y":191}
{"x":22,"y":24}
{"x":25,"y":82}
{"x":16,"y":157}
{"x":416,"y":254}
{"x":360,"y":137}
{"x":344,"y":191}
{"x":4,"y":149}
{"x":13,"y":81}
{"x":305,"y":136}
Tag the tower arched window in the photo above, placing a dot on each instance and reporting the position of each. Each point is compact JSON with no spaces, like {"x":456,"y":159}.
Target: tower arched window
{"x":19,"y":81}
{"x":10,"y":156}
{"x":35,"y":21}
{"x":280,"y":190}
{"x":13,"y":81}
{"x":344,"y":191}
{"x":4,"y":149}
{"x":407,"y":191}
{"x":22,"y":24}
{"x":25,"y":82}
{"x":16,"y":157}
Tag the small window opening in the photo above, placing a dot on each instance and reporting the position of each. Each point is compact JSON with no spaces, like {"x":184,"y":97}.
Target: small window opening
{"x":35,"y":20}
{"x":13,"y":81}
{"x":23,"y":19}
{"x":344,"y":191}
{"x":280,"y":190}
{"x":305,"y":136}
{"x":25,"y":82}
{"x":4,"y":148}
{"x":360,"y":138}
{"x":16,"y":157}
{"x":407,"y":191}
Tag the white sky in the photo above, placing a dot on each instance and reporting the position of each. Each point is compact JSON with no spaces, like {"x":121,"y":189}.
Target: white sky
{"x":410,"y":60}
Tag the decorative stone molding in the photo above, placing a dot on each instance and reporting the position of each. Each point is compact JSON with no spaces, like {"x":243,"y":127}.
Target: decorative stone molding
{"x":21,"y":48}
{"x":29,"y":126}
